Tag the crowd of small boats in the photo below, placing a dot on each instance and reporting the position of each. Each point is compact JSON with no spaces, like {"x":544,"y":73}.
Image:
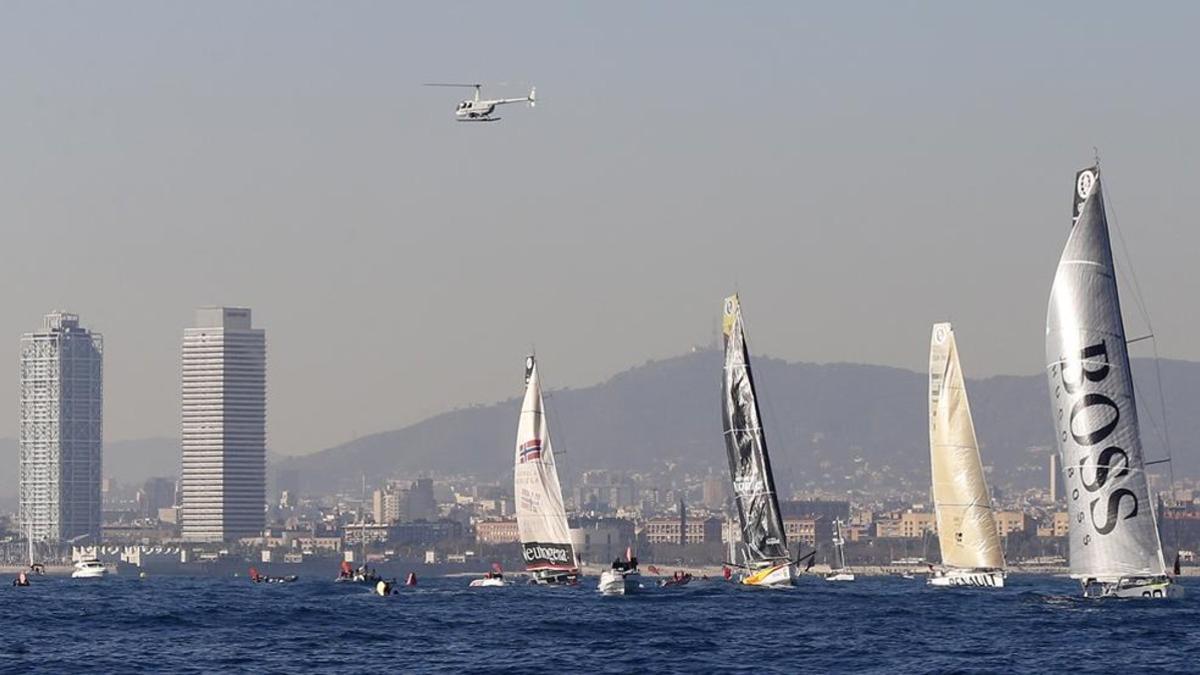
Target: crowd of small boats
{"x":1115,"y":550}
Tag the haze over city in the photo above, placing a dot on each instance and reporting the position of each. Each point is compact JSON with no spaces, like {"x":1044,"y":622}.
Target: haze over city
{"x":856,"y":172}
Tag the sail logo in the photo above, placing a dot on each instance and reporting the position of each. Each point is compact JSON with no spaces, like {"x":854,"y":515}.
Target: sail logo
{"x":748,"y":485}
{"x":530,"y":500}
{"x":531,"y":450}
{"x":544,"y":552}
{"x":1090,"y":422}
{"x":1085,"y":182}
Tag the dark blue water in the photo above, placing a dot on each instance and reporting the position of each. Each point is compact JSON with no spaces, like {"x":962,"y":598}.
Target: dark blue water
{"x":884,"y":624}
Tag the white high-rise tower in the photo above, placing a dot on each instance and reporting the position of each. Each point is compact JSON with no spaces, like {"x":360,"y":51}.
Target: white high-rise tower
{"x":222,"y":483}
{"x":61,"y":431}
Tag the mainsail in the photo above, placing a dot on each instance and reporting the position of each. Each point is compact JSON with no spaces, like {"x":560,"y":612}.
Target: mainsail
{"x":749,"y":466}
{"x":965,"y":521}
{"x":541,"y":517}
{"x":1112,"y":528}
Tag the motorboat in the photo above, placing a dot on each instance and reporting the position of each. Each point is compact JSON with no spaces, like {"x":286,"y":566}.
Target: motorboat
{"x":489,"y":580}
{"x":259,"y":578}
{"x":493,"y":578}
{"x":357,"y":575}
{"x":677,"y":579}
{"x":622,"y":579}
{"x":89,"y":569}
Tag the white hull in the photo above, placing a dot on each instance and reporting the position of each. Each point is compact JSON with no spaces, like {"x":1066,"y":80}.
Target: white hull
{"x":487,"y":583}
{"x":967,"y":579}
{"x":1149,"y":589}
{"x":840,"y":575}
{"x":89,"y":570}
{"x":613,"y":582}
{"x":779,"y":575}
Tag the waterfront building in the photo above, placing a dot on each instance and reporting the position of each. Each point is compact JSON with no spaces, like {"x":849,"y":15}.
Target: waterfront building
{"x":389,"y":505}
{"x":222,"y":485}
{"x":667,"y":530}
{"x":156,"y":494}
{"x":599,"y":540}
{"x":497,"y":532}
{"x":61,"y":430}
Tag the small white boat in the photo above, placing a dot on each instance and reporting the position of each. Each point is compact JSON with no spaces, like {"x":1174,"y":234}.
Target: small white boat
{"x":89,"y":569}
{"x":620,"y":582}
{"x":622,"y":578}
{"x":494,"y":578}
{"x":839,"y":575}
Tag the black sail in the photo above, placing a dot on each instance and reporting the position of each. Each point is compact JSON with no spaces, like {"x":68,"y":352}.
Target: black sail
{"x":749,"y":465}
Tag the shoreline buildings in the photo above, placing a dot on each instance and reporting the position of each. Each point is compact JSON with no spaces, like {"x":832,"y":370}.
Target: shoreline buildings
{"x":61,"y":431}
{"x":222,"y":487}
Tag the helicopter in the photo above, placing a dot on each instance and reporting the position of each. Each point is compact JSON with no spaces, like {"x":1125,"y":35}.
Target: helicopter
{"x":476,"y":110}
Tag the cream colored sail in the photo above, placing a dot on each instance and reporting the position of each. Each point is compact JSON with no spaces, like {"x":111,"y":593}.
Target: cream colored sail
{"x":965,"y":521}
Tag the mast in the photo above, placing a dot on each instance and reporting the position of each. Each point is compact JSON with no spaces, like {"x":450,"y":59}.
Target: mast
{"x":541,"y":515}
{"x":1113,"y":534}
{"x":362,"y":518}
{"x":749,"y":464}
{"x":966,"y":523}
{"x":839,"y":543}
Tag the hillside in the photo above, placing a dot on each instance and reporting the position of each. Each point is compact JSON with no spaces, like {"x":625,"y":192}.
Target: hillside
{"x":828,"y":425}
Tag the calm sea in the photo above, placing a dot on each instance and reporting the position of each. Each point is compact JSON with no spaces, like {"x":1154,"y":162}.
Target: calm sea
{"x":884,"y":624}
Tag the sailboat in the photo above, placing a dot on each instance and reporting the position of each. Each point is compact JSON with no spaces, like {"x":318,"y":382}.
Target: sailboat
{"x":841,"y":572}
{"x":764,"y":543}
{"x":966,"y":524}
{"x":361,"y":574}
{"x":1114,"y":543}
{"x":541,"y":516}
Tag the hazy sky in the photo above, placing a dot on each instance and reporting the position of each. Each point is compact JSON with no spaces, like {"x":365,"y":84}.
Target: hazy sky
{"x":857,"y":170}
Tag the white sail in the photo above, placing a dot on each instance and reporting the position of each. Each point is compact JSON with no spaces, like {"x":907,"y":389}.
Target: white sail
{"x":965,"y":521}
{"x":541,"y":516}
{"x":1113,"y":534}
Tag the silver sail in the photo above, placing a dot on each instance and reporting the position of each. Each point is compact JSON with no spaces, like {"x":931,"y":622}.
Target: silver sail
{"x":1113,"y":534}
{"x":749,"y":464}
{"x":965,"y":521}
{"x":541,"y":516}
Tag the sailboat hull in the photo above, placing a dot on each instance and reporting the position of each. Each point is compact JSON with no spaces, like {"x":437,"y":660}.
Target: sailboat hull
{"x":554,"y":578}
{"x":1154,"y":588}
{"x":967,"y":579}
{"x":778,"y":575}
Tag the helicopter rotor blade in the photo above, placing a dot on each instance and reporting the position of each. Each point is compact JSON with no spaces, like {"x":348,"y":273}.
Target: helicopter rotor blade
{"x":452,"y":84}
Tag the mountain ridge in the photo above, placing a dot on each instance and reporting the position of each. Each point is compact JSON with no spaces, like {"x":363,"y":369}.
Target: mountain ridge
{"x":822,"y":421}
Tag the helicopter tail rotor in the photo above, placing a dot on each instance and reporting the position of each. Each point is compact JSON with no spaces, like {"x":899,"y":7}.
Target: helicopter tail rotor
{"x":533,"y":97}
